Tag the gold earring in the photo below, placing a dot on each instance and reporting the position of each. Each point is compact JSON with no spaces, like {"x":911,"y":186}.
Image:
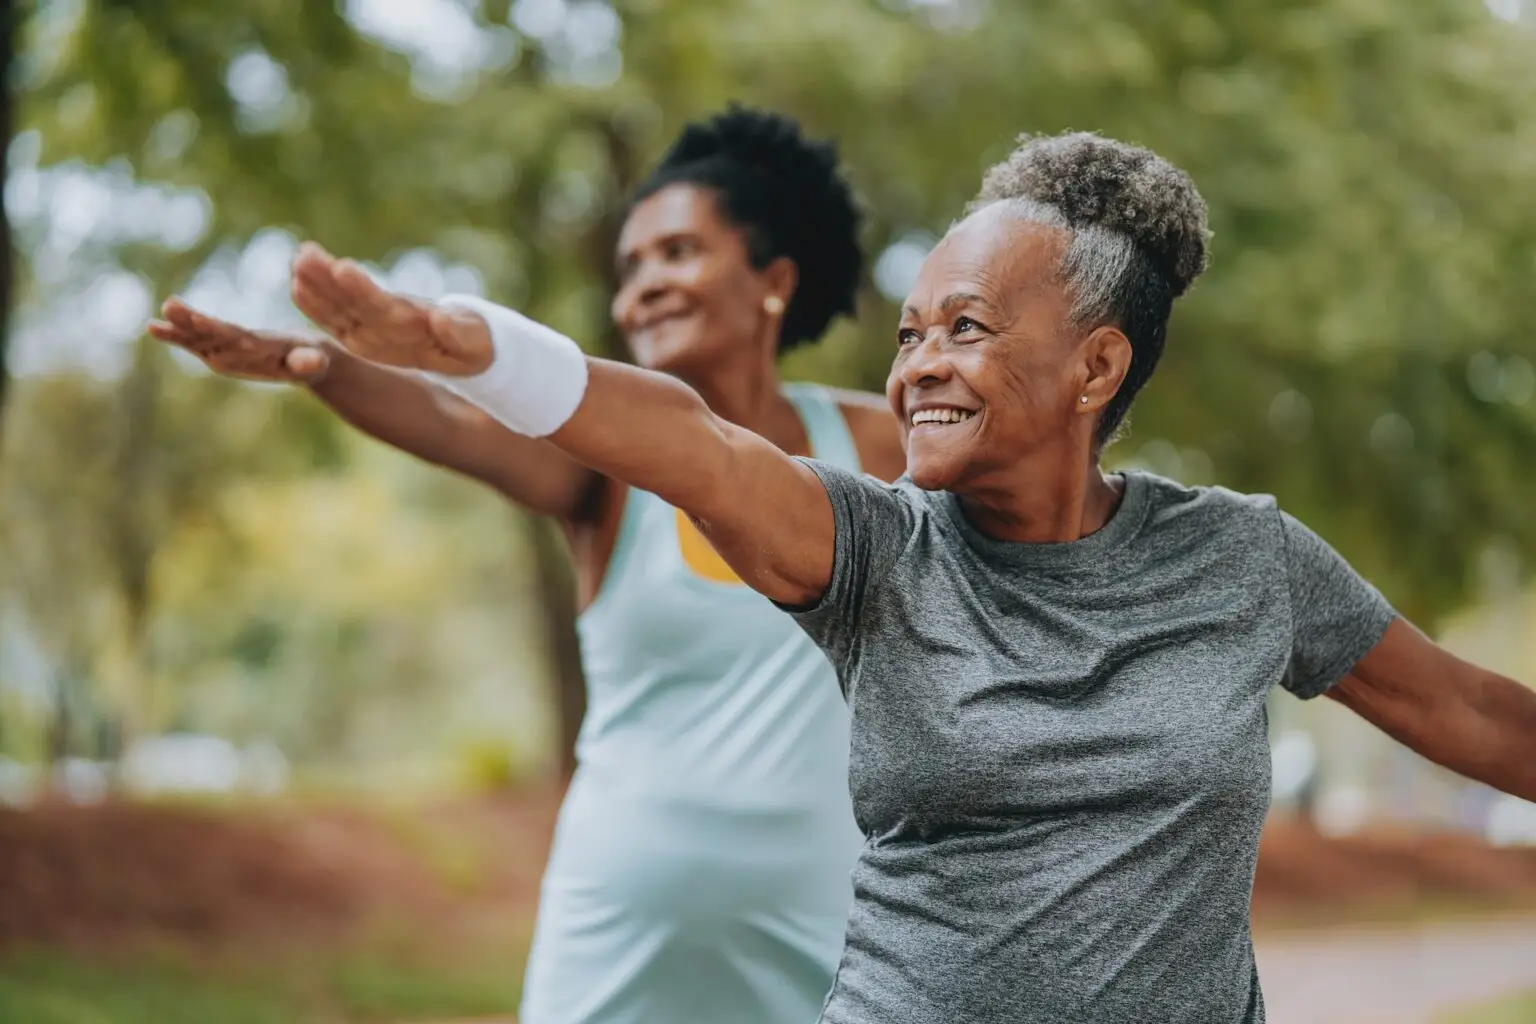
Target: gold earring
{"x":773,"y":305}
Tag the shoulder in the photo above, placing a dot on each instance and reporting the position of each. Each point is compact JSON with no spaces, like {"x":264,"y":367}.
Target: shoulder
{"x":864,"y":499}
{"x":1212,"y":510}
{"x":875,"y":431}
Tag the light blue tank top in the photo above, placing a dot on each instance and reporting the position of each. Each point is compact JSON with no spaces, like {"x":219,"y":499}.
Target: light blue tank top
{"x":701,"y":864}
{"x":701,"y":687}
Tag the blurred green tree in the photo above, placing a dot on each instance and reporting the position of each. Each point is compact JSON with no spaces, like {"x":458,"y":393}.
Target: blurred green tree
{"x":1357,"y":347}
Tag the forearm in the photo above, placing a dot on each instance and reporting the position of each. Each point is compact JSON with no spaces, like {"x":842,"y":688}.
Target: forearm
{"x":1476,"y":723}
{"x":766,"y":513}
{"x":644,"y":428}
{"x":409,"y":413}
{"x":1493,"y":736}
{"x":399,"y":409}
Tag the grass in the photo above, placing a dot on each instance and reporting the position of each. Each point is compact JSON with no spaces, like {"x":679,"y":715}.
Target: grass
{"x":166,"y":986}
{"x":1520,"y":1009}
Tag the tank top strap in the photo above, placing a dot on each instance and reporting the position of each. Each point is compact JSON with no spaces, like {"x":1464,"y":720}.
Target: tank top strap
{"x":642,"y":515}
{"x":825,"y":424}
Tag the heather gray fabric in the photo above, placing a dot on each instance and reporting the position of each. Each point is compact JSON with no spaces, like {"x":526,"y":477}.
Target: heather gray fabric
{"x":1059,"y":759}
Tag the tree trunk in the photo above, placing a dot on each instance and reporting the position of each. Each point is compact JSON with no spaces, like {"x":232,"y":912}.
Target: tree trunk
{"x":134,"y":528}
{"x":552,"y":564}
{"x":7,"y":256}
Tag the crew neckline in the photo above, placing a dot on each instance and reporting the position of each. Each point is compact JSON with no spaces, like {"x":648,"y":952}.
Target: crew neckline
{"x":1125,"y":522}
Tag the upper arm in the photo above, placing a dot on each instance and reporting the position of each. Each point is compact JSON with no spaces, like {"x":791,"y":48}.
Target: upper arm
{"x":874,"y":527}
{"x":764,"y":512}
{"x":770,"y":518}
{"x":875,"y":432}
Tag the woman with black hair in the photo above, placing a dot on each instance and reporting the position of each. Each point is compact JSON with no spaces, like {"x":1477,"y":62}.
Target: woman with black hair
{"x":1057,"y":674}
{"x":700,"y":870}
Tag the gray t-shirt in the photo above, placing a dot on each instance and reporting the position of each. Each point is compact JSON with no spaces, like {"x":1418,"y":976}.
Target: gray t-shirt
{"x":1060,"y":759}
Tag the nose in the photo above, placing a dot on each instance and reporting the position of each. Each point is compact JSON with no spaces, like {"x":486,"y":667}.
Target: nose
{"x":926,"y":363}
{"x":646,"y":285}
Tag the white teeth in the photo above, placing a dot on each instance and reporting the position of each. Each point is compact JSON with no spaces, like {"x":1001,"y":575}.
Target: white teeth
{"x":940,"y":416}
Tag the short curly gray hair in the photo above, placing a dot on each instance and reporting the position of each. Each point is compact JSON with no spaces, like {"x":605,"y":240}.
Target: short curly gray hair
{"x":1138,"y":237}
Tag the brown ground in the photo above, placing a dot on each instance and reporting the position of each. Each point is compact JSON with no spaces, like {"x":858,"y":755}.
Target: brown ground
{"x":1303,"y":875}
{"x":100,"y":875}
{"x":96,"y":876}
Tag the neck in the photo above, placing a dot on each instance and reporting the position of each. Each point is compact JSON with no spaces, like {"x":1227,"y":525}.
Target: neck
{"x":1054,"y":496}
{"x":744,"y":392}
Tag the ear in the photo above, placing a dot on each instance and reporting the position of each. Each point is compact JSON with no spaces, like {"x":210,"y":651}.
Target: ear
{"x":780,"y":277}
{"x":1106,"y":357}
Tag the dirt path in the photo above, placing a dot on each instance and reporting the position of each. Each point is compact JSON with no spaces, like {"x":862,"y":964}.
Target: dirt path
{"x":1367,"y":977}
{"x":1374,"y":977}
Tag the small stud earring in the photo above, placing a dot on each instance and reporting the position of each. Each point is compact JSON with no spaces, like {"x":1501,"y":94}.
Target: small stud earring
{"x":1083,"y":399}
{"x":773,"y":305}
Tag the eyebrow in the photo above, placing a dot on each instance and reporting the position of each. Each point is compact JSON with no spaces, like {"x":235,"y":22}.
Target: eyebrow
{"x":623,"y":256}
{"x":952,"y":300}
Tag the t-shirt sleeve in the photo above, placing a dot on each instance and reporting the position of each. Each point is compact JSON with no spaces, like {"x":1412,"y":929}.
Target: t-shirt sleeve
{"x":1336,"y":616}
{"x":874,"y":524}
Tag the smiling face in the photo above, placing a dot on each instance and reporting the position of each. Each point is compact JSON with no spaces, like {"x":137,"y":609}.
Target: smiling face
{"x":990,"y":367}
{"x":688,"y":292}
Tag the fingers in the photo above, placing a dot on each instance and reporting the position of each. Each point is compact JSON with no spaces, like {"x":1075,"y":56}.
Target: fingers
{"x":166,"y":332}
{"x":316,"y":302}
{"x":184,"y":326}
{"x":339,"y":288}
{"x":316,"y":293}
{"x":363,"y":298}
{"x":232,"y":350}
{"x":459,"y":332}
{"x":343,"y":286}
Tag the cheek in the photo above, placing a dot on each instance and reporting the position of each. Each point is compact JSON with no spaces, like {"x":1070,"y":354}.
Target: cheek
{"x":894,"y":395}
{"x":621,"y":309}
{"x":1037,"y":385}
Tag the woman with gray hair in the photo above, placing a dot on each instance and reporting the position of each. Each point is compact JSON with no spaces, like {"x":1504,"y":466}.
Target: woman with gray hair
{"x":1057,"y":675}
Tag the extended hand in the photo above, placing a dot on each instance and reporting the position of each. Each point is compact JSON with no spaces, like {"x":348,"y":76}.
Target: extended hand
{"x":385,"y":328}
{"x":235,"y":351}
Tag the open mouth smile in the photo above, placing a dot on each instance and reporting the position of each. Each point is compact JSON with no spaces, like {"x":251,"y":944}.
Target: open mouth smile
{"x":939,"y":417}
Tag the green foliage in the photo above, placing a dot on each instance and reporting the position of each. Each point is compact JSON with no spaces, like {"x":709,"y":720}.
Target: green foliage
{"x":55,"y":988}
{"x":1358,"y":347}
{"x":489,"y":766}
{"x":1520,"y":1009}
{"x":324,"y":987}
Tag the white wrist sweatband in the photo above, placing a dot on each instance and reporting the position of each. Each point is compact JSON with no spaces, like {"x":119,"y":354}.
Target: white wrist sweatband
{"x":536,"y":379}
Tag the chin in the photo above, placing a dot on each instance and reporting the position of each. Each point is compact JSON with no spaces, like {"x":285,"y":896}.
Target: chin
{"x":676,"y":355}
{"x":932,"y":472}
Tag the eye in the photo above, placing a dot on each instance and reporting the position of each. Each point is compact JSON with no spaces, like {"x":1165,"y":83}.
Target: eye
{"x":680,"y":249}
{"x":907,"y":336}
{"x":964,"y":324}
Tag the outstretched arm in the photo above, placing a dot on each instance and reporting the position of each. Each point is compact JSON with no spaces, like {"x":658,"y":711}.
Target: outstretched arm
{"x":400,"y":409}
{"x":766,"y":513}
{"x":1474,"y":722}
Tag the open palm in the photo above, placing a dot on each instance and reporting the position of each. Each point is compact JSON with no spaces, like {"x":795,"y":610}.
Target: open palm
{"x":236,"y":351}
{"x":385,"y":328}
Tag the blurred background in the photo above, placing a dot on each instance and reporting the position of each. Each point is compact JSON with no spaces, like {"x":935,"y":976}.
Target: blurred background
{"x":284,"y":714}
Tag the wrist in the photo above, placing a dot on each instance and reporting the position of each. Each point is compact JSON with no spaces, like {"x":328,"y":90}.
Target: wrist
{"x":536,"y":377}
{"x":338,"y":361}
